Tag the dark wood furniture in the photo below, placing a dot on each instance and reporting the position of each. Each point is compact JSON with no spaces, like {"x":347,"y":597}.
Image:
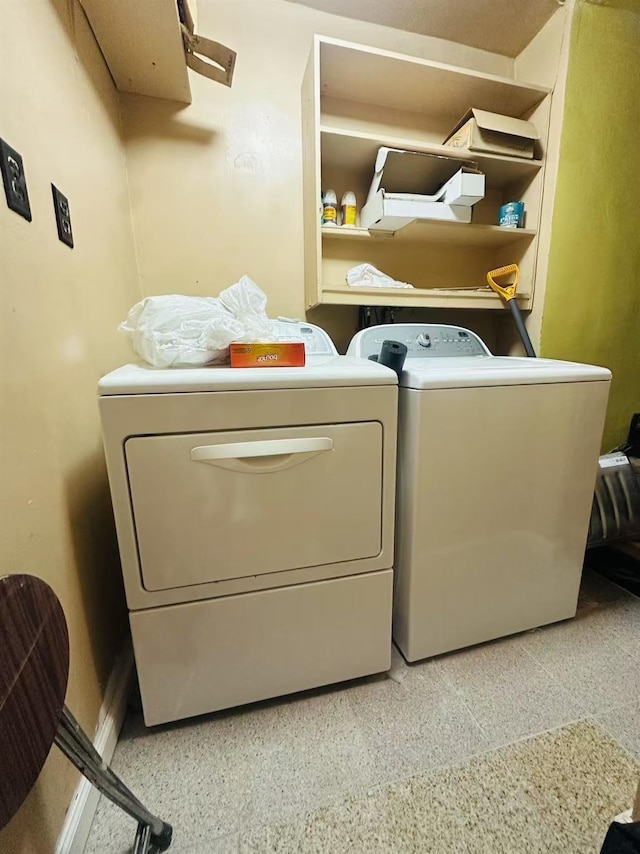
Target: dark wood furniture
{"x":34,"y":668}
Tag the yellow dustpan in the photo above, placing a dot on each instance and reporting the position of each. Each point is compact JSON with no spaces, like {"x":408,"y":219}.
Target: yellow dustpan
{"x":508,"y":294}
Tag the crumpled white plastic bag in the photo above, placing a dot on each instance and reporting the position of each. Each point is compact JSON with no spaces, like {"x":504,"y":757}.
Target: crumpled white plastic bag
{"x":181,"y":331}
{"x":367,"y":276}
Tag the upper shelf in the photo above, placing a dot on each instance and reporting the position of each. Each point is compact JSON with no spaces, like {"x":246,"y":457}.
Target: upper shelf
{"x":356,"y":151}
{"x":142,"y":44}
{"x":357,"y":73}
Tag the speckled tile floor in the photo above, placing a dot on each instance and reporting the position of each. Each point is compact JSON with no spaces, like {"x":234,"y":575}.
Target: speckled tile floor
{"x":528,"y":744}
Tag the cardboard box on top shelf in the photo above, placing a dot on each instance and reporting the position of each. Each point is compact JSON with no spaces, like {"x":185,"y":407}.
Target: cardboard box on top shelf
{"x":479,"y":130}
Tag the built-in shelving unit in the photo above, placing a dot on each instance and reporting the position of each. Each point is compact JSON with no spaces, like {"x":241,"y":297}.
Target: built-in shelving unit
{"x":356,"y":99}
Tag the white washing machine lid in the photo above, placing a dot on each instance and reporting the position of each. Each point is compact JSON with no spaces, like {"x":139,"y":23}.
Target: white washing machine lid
{"x":479,"y":371}
{"x":319,"y":372}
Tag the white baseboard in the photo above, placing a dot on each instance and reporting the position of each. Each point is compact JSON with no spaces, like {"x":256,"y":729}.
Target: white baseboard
{"x":77,"y":824}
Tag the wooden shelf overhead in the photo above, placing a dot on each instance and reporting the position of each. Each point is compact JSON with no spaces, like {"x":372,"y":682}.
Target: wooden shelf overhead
{"x":372,"y":76}
{"x":142,"y":45}
{"x":356,"y":150}
{"x":148,"y":45}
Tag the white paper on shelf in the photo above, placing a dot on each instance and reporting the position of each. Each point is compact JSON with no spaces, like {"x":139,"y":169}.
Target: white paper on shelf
{"x":367,"y":276}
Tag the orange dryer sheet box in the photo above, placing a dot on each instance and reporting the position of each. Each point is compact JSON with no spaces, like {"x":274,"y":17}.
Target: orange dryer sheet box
{"x":277,"y":355}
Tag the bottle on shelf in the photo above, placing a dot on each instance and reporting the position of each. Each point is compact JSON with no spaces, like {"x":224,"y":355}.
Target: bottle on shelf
{"x":349,"y":207}
{"x":329,"y":208}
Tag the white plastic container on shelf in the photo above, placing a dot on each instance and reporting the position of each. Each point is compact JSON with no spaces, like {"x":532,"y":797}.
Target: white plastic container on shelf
{"x":349,"y":209}
{"x":395,"y":200}
{"x":329,"y":208}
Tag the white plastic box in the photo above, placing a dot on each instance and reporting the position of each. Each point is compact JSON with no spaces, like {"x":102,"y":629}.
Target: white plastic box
{"x":411,"y":185}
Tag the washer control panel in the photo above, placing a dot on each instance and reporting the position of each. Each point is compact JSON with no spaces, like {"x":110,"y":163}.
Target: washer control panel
{"x":423,"y":340}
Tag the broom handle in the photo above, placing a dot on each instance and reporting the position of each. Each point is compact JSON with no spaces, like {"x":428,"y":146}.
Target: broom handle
{"x":522,"y":329}
{"x":635,"y":811}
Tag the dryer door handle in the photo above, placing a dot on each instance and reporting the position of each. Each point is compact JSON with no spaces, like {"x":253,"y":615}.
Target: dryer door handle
{"x":262,"y":457}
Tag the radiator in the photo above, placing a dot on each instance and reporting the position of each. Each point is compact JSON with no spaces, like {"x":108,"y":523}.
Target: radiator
{"x":615,"y":513}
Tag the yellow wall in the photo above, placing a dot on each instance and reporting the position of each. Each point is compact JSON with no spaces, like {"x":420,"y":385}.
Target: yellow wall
{"x":216,"y":187}
{"x":60,"y":309}
{"x":592,"y":305}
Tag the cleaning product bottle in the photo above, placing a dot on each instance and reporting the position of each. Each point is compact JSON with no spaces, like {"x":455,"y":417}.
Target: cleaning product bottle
{"x":349,"y":208}
{"x":329,"y":208}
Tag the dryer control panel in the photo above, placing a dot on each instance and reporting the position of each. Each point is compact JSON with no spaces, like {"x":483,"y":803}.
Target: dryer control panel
{"x":316,"y":341}
{"x":422,"y":340}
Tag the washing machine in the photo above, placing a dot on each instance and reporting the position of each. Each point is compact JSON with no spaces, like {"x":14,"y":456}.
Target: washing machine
{"x":254,"y":510}
{"x":497,"y":459}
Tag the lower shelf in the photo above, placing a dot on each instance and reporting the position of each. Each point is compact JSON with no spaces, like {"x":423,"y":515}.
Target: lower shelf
{"x":438,"y":232}
{"x":417,"y":298}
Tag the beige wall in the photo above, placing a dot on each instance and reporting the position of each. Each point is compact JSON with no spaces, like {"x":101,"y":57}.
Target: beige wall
{"x":216,"y":193}
{"x":216,"y":187}
{"x":60,"y":308}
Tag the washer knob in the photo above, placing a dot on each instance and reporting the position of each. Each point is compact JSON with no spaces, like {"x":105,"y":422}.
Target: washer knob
{"x":423,"y":340}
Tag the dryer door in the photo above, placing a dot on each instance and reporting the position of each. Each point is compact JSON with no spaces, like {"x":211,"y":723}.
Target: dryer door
{"x":214,"y":506}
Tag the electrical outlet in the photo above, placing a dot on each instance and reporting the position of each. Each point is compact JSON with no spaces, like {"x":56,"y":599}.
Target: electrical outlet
{"x":15,"y":184}
{"x":63,"y":217}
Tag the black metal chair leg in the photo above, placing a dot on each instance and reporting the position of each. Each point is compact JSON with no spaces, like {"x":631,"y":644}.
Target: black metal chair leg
{"x":93,"y":761}
{"x":160,"y":832}
{"x":77,"y":734}
{"x":76,"y":746}
{"x":143,"y":839}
